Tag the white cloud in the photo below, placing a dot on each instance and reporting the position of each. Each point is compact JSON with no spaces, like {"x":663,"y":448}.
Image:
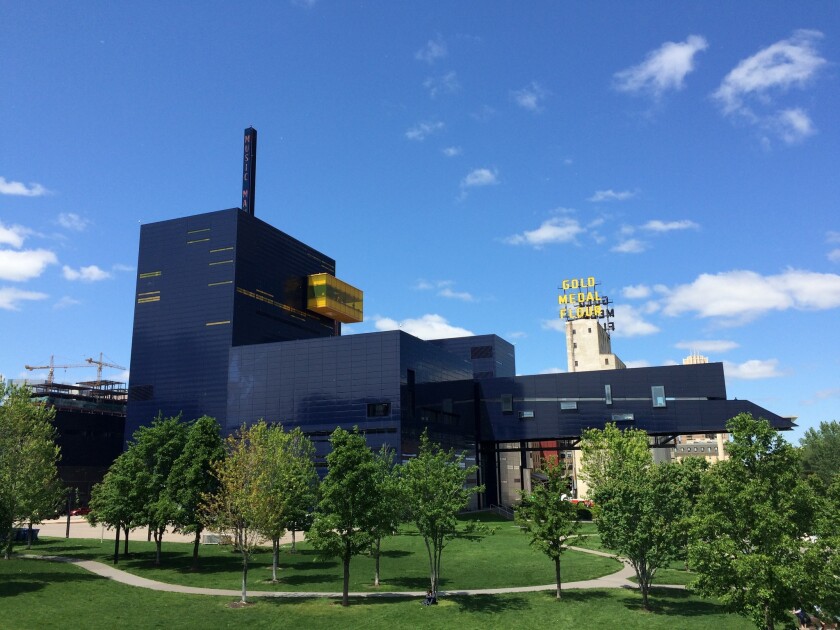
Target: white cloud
{"x":793,"y":125}
{"x":11,"y":297}
{"x":557,"y":325}
{"x":554,"y":230}
{"x":630,"y":323}
{"x":20,"y":189}
{"x":91,"y":273}
{"x":444,"y":84}
{"x":707,"y":345}
{"x":553,"y":370}
{"x":787,"y":63}
{"x":429,"y":326}
{"x":456,"y":295}
{"x":739,"y":296}
{"x":433,"y":50}
{"x":451,"y":151}
{"x":423,"y":130}
{"x":24,"y":265}
{"x":638,"y":363}
{"x":630,"y":246}
{"x":635,"y":292}
{"x":480,"y":177}
{"x":834,"y":255}
{"x":612,"y":195}
{"x":65,"y":302}
{"x":663,"y":69}
{"x":668,"y":226}
{"x":531,"y":97}
{"x":751,"y":88}
{"x":72,"y":221}
{"x":752,"y":369}
{"x":13,"y":235}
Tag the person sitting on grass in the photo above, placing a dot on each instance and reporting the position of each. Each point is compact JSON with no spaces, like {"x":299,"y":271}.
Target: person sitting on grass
{"x":430,"y":598}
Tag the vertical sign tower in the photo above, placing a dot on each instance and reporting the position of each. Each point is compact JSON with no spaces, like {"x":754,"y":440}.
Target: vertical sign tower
{"x":249,"y":170}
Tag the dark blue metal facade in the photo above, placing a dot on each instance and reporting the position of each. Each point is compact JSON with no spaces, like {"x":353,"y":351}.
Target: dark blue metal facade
{"x":222,"y":328}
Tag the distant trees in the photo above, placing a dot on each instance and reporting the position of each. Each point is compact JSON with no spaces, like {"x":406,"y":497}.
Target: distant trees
{"x":548,"y":518}
{"x":436,"y":490}
{"x":30,"y":489}
{"x":345,"y":517}
{"x":821,"y":452}
{"x":750,"y":532}
{"x":390,"y":506}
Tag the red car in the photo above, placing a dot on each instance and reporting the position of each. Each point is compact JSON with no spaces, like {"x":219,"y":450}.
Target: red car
{"x":80,"y":511}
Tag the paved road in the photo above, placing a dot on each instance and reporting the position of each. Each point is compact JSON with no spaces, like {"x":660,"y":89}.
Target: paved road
{"x":619,"y":579}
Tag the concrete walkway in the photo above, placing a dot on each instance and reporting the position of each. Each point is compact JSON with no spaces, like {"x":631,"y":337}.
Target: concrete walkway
{"x":619,"y":579}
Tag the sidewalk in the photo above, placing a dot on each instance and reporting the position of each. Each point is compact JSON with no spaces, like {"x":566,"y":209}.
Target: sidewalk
{"x":619,"y":579}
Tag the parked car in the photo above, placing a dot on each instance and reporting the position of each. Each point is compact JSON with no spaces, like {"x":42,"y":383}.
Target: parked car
{"x":81,"y":511}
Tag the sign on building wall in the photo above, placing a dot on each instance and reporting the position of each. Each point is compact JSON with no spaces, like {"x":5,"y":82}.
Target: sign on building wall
{"x":580,"y":299}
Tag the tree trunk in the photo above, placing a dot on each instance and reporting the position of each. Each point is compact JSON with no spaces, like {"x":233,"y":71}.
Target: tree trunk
{"x":294,"y":546}
{"x":29,"y":536}
{"x":376,"y":551}
{"x":345,"y":597}
{"x":117,"y":545}
{"x":125,"y":547}
{"x":275,"y":557}
{"x":432,"y":584}
{"x":244,"y":599}
{"x":158,"y":541}
{"x":195,"y":549}
{"x":557,"y":575}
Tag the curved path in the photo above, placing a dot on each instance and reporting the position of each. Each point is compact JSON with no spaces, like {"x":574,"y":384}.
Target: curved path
{"x":619,"y":579}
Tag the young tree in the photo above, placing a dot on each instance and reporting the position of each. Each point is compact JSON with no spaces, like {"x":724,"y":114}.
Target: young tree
{"x":235,"y":505}
{"x":751,"y":525}
{"x":29,"y":485}
{"x":642,"y":507}
{"x":390,"y":508}
{"x":117,"y":501}
{"x":344,"y":519}
{"x":157,"y":446}
{"x":301,"y":493}
{"x":548,"y":518}
{"x":190,"y":478}
{"x":436,"y":490}
{"x":821,"y":452}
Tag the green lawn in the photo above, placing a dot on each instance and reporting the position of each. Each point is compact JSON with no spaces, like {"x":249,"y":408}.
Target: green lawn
{"x":498,"y":560}
{"x":46,"y":595}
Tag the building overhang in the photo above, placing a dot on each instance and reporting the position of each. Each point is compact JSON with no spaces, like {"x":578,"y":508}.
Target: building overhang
{"x":330,"y":297}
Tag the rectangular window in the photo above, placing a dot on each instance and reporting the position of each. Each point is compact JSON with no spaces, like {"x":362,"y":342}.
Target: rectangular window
{"x":568,"y":405}
{"x":657,"y":393}
{"x":622,"y":417}
{"x":606,"y":361}
{"x":608,"y":394}
{"x":379,"y":410}
{"x":507,"y":403}
{"x":526,"y":415}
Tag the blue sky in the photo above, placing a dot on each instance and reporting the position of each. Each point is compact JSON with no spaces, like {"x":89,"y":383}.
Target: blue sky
{"x":457,"y":159}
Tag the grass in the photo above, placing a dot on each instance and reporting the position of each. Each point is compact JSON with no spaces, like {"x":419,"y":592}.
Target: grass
{"x":498,"y":560}
{"x":54,"y":595}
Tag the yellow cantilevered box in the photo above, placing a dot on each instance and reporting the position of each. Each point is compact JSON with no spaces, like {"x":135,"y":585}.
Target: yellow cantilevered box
{"x":329,"y":296}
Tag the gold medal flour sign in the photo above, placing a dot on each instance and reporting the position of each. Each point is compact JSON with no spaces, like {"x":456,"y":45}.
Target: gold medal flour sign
{"x":580,"y":299}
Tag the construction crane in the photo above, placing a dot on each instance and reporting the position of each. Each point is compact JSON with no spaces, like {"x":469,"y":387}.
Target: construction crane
{"x":100,"y":364}
{"x":52,"y":366}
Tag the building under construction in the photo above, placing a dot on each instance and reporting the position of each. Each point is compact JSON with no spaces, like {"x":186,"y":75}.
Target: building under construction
{"x":90,"y":422}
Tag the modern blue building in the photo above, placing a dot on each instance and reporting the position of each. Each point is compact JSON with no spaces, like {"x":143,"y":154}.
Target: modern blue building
{"x":238,"y":320}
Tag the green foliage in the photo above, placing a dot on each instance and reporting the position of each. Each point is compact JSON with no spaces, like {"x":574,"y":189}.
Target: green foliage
{"x":821,"y":452}
{"x":435,"y":487}
{"x":346,"y":513}
{"x":30,"y":489}
{"x":238,"y":503}
{"x":749,"y":532}
{"x":190,"y":479}
{"x":390,"y":506}
{"x":156,"y":448}
{"x":548,"y":518}
{"x":118,"y":500}
{"x":643,"y":507}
